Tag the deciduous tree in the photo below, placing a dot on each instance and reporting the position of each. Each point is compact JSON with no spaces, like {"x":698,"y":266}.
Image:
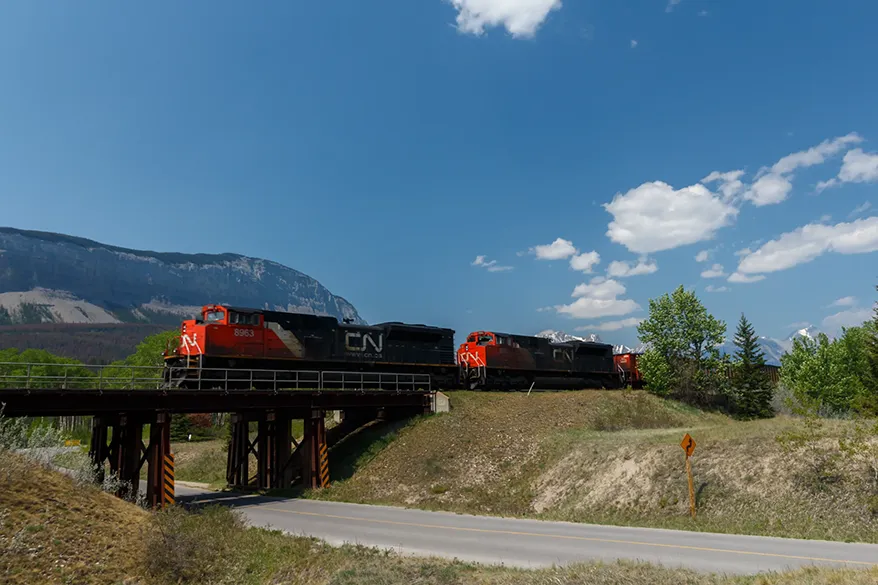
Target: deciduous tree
{"x":683,"y":356}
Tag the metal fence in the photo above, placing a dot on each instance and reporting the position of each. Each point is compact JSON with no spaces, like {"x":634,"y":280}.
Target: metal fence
{"x":36,"y":376}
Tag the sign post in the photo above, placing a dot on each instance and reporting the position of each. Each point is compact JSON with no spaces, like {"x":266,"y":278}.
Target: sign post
{"x":688,"y":445}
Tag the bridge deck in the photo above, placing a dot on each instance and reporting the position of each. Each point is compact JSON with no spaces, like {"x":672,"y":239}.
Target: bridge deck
{"x":73,"y":389}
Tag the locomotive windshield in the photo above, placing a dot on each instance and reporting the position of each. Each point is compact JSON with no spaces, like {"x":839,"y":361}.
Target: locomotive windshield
{"x":213,"y":316}
{"x":485,"y":339}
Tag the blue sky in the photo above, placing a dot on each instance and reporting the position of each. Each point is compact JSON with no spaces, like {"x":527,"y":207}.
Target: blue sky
{"x":382,"y":147}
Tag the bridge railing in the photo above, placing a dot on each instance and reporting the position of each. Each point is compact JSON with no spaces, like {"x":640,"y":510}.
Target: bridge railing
{"x":37,"y":376}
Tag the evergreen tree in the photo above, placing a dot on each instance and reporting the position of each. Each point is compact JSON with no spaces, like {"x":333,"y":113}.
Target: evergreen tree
{"x":754,"y":388}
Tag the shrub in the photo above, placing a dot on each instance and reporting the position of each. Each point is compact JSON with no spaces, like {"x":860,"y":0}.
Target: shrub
{"x":194,"y":547}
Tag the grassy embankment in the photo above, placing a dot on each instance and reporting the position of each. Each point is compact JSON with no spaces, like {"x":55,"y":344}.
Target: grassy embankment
{"x":53,"y":530}
{"x":610,"y":458}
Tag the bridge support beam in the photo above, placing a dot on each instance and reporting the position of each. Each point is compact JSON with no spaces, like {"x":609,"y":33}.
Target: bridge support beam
{"x":315,"y":456}
{"x":126,"y":449}
{"x":238,"y":458}
{"x":158,"y":458}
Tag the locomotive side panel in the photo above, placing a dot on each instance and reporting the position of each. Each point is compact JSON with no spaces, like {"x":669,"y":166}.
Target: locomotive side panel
{"x":415,"y":344}
{"x":594,"y":357}
{"x":299,"y":336}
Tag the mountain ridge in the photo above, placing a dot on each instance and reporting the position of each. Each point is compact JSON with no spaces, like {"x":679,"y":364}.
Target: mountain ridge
{"x":48,"y":277}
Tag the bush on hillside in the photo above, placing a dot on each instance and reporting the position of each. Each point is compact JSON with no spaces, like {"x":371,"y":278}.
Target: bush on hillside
{"x":835,"y":375}
{"x":203,"y":546}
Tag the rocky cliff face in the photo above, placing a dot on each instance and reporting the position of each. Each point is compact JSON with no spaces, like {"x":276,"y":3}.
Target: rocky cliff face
{"x":46,"y":277}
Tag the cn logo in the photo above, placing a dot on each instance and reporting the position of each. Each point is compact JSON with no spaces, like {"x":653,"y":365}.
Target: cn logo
{"x":359,"y":342}
{"x":188,"y":342}
{"x":563,"y":355}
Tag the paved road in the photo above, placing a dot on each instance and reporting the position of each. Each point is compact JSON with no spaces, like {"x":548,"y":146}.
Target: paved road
{"x":532,"y":543}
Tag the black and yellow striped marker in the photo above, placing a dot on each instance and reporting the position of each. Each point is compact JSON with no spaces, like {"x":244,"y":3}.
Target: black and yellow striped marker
{"x":324,"y":466}
{"x":168,"y":481}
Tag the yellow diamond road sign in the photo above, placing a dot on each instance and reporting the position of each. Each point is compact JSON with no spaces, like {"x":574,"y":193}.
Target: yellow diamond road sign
{"x":688,"y":445}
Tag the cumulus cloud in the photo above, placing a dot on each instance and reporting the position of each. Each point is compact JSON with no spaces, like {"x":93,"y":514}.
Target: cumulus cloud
{"x":849,"y":318}
{"x":557,"y":250}
{"x":857,"y":167}
{"x":743,"y":252}
{"x":585,"y":261}
{"x":597,"y":299}
{"x":774,"y":185}
{"x":744,"y":278}
{"x":489,"y":265}
{"x":619,"y":269}
{"x":702,"y":256}
{"x":521,"y":18}
{"x":715,"y":271}
{"x":612,"y":325}
{"x":671,"y":4}
{"x":716,"y":289}
{"x":655,"y":216}
{"x":768,"y":190}
{"x":730,"y":183}
{"x":844,"y":302}
{"x":806,"y":243}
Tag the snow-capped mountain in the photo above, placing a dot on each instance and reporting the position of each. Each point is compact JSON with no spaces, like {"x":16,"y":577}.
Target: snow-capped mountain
{"x":621,"y":348}
{"x":810,"y":332}
{"x":562,"y":337}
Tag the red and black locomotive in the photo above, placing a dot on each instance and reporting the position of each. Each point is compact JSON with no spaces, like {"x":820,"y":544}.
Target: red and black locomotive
{"x":249,"y":347}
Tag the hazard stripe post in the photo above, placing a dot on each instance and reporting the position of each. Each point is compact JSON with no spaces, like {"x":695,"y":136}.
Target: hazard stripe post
{"x":168,"y":481}
{"x":324,"y":466}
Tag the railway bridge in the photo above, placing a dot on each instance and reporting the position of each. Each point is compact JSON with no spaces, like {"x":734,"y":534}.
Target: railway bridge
{"x":123,"y":401}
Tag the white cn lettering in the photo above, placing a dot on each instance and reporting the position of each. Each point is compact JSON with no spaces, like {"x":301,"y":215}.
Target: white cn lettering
{"x":362,"y":341}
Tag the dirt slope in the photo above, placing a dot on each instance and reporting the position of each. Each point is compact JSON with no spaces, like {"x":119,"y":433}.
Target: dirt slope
{"x":609,"y":457}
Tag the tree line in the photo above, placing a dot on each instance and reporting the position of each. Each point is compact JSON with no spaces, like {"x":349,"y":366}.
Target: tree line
{"x":683,"y":362}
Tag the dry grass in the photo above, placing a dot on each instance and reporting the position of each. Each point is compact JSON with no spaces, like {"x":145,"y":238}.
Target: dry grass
{"x":611,"y":458}
{"x":55,"y":531}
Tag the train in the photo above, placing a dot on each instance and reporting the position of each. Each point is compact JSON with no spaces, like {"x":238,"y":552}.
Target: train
{"x":249,"y":347}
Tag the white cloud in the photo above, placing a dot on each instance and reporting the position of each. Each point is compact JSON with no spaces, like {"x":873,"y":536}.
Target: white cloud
{"x":521,"y":18}
{"x":655,"y":216}
{"x":825,"y":218}
{"x":848,"y":318}
{"x":799,"y":325}
{"x":743,"y":252}
{"x":715,"y":271}
{"x":671,"y":4}
{"x":557,"y":250}
{"x":598,"y":299}
{"x":860,"y":209}
{"x":585,"y":261}
{"x":703,"y":13}
{"x":612,"y":325}
{"x":857,"y":167}
{"x":624,"y":269}
{"x":489,"y":265}
{"x":768,"y":190}
{"x":730,"y":183}
{"x":716,"y":289}
{"x":844,"y":302}
{"x":633,"y":44}
{"x":702,"y":256}
{"x":774,"y":185}
{"x":808,"y":242}
{"x":745,"y":279}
